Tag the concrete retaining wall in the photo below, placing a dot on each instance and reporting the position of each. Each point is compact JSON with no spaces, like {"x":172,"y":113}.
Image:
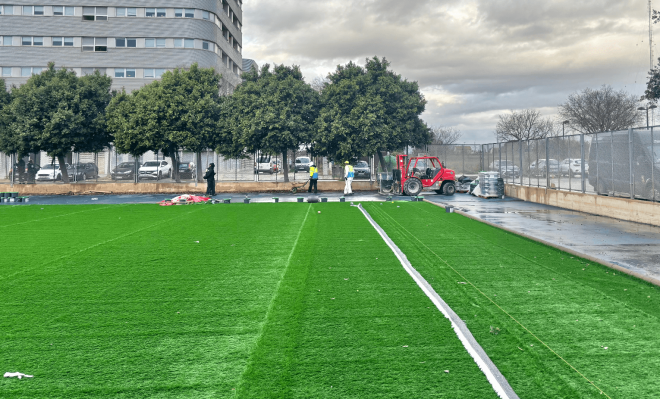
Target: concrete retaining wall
{"x":176,"y":188}
{"x":618,"y":208}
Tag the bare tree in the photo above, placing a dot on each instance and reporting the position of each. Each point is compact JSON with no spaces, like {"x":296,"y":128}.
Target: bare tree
{"x":601,"y":110}
{"x":445,"y":135}
{"x":525,"y":124}
{"x":319,"y":83}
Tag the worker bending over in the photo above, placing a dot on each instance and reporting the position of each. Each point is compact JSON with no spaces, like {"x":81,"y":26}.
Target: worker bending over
{"x":313,"y":178}
{"x":348,"y":174}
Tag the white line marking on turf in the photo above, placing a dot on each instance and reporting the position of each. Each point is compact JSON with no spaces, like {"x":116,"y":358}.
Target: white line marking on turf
{"x":494,"y":376}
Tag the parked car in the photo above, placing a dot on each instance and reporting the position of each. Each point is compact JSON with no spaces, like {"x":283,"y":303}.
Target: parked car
{"x":124,"y":171}
{"x":155,"y":170}
{"x":187,"y":170}
{"x":572,"y":166}
{"x":84,"y":170}
{"x":508,"y":169}
{"x":540,"y":168}
{"x":50,"y":172}
{"x":362,"y":169}
{"x":264,"y":164}
{"x":302,"y":164}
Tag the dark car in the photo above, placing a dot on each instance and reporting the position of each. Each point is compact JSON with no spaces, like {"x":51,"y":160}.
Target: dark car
{"x":124,"y":171}
{"x":83,"y":171}
{"x":187,"y":170}
{"x":362,"y":170}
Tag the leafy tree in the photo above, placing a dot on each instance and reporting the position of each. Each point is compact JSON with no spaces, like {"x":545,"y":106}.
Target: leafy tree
{"x":367,"y":111}
{"x":601,"y":110}
{"x":59,"y":112}
{"x":272,"y":111}
{"x":178,"y":112}
{"x":6,"y":143}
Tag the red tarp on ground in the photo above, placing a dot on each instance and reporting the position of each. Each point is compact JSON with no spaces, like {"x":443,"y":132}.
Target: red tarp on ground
{"x":184,"y":200}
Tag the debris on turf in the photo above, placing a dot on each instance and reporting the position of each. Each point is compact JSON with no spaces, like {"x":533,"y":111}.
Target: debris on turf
{"x":19,"y":375}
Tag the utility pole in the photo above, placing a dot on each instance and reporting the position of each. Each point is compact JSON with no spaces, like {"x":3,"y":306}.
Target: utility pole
{"x":651,"y":33}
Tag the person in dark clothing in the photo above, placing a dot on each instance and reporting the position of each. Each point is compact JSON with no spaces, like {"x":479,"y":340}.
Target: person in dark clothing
{"x":209,"y":176}
{"x":313,"y":178}
{"x":32,"y":170}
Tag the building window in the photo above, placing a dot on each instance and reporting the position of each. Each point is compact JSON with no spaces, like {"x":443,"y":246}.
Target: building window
{"x":29,"y":71}
{"x":190,"y":13}
{"x":63,"y":41}
{"x":95,"y":44}
{"x":153,"y":43}
{"x":126,"y":42}
{"x":95,"y":13}
{"x":90,"y":71}
{"x":61,"y":10}
{"x":6,"y":71}
{"x":206,"y":15}
{"x":26,"y":41}
{"x":161,"y":12}
{"x":153,"y":73}
{"x":124,"y":73}
{"x":7,"y":40}
{"x":208,"y":46}
{"x":8,"y":10}
{"x":127,"y":12}
{"x":184,"y":43}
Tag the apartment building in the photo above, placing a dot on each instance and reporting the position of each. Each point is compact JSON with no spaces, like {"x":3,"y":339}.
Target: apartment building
{"x":134,"y":42}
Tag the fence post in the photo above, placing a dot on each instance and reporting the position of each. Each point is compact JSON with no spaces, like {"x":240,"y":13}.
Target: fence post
{"x":582,"y":165}
{"x":612,"y":161}
{"x":12,"y":167}
{"x":652,"y":167}
{"x":547,"y":163}
{"x":522,"y":173}
{"x":499,"y":164}
{"x":630,"y":162}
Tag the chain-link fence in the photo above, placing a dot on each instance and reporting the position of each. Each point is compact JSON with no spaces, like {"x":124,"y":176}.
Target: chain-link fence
{"x":111,"y":166}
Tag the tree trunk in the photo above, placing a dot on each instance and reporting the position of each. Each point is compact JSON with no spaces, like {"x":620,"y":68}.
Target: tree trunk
{"x":198,"y":166}
{"x":65,"y":173}
{"x":381,"y":159}
{"x":175,"y":166}
{"x":285,"y":166}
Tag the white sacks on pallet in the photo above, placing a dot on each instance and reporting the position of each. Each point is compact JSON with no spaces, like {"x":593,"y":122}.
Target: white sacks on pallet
{"x":491,"y":185}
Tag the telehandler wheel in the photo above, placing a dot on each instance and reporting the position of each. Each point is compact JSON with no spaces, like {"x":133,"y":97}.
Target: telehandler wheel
{"x":413,"y":187}
{"x":449,"y":189}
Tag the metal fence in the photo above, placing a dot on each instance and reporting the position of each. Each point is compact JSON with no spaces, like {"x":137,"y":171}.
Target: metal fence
{"x":111,"y":166}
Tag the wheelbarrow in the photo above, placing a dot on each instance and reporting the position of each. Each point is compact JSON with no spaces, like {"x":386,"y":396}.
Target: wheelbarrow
{"x":295,"y":189}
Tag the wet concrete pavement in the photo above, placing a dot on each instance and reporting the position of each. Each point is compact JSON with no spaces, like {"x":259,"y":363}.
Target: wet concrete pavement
{"x":630,"y":245}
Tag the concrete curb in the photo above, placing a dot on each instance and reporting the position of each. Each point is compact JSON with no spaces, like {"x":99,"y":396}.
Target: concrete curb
{"x":559,"y":247}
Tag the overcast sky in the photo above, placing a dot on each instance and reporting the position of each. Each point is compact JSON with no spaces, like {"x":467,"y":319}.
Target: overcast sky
{"x":472,"y":59}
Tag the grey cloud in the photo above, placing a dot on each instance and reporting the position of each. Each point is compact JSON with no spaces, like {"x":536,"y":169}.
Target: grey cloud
{"x":486,"y":56}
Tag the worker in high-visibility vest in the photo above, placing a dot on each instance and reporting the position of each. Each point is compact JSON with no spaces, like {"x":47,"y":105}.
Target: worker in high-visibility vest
{"x":313,"y":178}
{"x":349,"y":173}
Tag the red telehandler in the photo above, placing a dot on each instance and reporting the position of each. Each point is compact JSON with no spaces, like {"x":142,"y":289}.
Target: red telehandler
{"x":416,"y":174}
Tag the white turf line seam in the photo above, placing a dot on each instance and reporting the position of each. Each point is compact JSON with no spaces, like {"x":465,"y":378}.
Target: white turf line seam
{"x":494,"y":376}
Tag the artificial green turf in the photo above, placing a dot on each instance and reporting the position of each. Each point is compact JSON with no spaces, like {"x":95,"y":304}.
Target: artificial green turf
{"x":123,"y":302}
{"x":574,"y":306}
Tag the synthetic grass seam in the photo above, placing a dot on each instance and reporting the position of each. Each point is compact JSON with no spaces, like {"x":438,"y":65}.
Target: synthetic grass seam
{"x":96,"y":245}
{"x":273,"y":298}
{"x":57,"y":216}
{"x":494,"y":303}
{"x":492,"y":373}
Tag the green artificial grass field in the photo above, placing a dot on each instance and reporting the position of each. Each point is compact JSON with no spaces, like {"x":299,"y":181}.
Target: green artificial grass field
{"x":217,"y":301}
{"x":568,"y":328}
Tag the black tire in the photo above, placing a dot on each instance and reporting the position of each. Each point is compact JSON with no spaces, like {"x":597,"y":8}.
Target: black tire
{"x":84,"y":177}
{"x":413,"y":187}
{"x":160,"y":175}
{"x":294,"y":190}
{"x":449,"y":189}
{"x":602,"y":189}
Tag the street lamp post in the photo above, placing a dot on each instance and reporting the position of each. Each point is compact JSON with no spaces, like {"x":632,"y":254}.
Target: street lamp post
{"x":647,"y":108}
{"x":563,"y":127}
